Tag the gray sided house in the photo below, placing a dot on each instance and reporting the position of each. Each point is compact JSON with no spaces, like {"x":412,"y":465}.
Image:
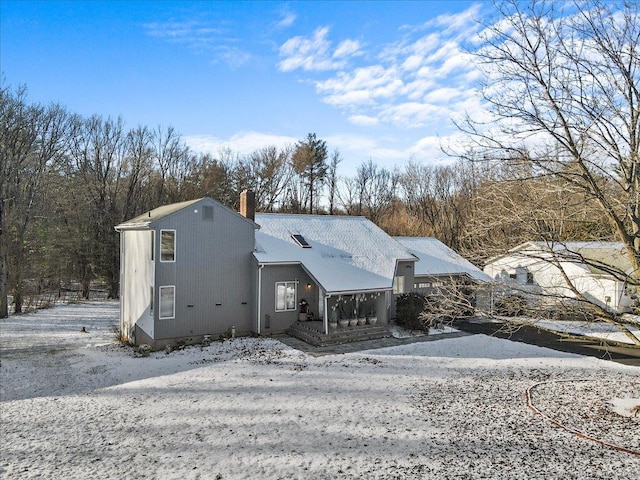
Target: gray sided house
{"x":186,"y":271}
{"x":198,"y":268}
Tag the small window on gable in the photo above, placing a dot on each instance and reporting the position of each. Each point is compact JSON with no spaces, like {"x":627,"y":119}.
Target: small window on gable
{"x":300,"y":240}
{"x":529,"y":278}
{"x":167,"y":245}
{"x":207,"y":213}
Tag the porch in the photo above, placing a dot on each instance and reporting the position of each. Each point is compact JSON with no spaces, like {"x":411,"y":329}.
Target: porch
{"x":312,"y":332}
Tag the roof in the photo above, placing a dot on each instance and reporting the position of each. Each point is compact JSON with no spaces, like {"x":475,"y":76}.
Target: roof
{"x":435,"y":258}
{"x":146,"y":219}
{"x":346,"y":254}
{"x":611,"y":254}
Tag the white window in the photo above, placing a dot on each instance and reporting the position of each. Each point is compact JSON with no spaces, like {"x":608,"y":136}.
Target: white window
{"x":398,"y":284}
{"x":286,"y":296}
{"x":167,"y":302}
{"x":167,"y":245}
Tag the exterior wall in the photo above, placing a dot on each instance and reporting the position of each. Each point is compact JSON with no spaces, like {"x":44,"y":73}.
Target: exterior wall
{"x":549,"y":279}
{"x":272,"y":322}
{"x":478,"y":294}
{"x":405,"y":270}
{"x":136,"y":277}
{"x":212,"y":273}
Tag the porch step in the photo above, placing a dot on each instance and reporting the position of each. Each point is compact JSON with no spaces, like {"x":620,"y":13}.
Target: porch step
{"x":316,"y":338}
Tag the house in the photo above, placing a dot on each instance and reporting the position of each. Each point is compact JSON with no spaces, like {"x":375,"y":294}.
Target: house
{"x":440,"y":269}
{"x":197,"y":268}
{"x":550,"y":269}
{"x":186,"y":272}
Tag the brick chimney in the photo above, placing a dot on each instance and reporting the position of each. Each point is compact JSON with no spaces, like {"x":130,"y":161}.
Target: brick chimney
{"x":248,"y":204}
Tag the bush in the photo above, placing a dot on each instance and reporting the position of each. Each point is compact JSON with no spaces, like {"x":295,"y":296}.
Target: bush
{"x":409,"y":307}
{"x":510,"y":306}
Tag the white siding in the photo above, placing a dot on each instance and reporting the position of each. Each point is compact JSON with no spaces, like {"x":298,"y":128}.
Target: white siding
{"x":138,"y":272}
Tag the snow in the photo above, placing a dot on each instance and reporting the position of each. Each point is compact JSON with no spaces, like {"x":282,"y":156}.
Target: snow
{"x":601,"y":330}
{"x":256,"y":408}
{"x":435,"y":258}
{"x":347,"y":254}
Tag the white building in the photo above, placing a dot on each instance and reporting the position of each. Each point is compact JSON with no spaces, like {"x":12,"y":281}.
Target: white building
{"x":559,"y":268}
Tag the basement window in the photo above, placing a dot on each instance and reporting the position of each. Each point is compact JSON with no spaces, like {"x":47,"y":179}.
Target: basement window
{"x":300,"y":240}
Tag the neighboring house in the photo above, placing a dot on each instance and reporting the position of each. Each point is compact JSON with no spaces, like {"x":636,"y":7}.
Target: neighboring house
{"x":198,"y":268}
{"x":440,"y":268}
{"x":541,"y":268}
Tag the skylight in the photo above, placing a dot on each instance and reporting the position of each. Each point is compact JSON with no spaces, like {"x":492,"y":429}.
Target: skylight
{"x":300,"y":240}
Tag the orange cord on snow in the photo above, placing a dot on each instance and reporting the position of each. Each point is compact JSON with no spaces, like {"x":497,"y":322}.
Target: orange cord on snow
{"x":569,"y":429}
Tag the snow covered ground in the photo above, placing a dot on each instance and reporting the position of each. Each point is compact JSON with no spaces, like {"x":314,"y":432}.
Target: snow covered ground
{"x":76,"y":406}
{"x":602,"y":330}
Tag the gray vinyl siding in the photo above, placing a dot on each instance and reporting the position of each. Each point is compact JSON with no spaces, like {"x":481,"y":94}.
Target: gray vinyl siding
{"x":280,"y":321}
{"x":212,"y":272}
{"x":404,"y":269}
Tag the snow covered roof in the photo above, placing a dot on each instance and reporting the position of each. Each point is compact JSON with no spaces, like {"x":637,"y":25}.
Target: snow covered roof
{"x":611,"y":254}
{"x":346,"y":254}
{"x":435,"y":258}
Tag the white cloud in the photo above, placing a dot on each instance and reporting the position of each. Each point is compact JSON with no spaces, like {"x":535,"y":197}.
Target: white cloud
{"x":241,"y":143}
{"x":314,"y":53}
{"x":347,"y":48}
{"x":287,"y":20}
{"x":422,"y":80}
{"x":363,"y":120}
{"x":201,"y":38}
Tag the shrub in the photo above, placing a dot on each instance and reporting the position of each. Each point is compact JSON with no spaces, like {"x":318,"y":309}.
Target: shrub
{"x":409,"y":307}
{"x":510,"y":306}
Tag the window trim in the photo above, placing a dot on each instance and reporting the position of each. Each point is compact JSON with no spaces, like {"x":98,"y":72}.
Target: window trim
{"x":173,"y":313}
{"x":174,"y":245}
{"x":295,"y":296}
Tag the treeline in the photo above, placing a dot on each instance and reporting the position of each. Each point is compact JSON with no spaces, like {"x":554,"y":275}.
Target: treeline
{"x":67,"y":180}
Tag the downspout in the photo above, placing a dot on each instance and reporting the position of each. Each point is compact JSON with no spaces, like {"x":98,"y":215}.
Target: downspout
{"x":325,"y":316}
{"x":259,"y":295}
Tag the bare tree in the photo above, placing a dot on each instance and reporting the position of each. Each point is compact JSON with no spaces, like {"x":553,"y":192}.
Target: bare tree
{"x":563,"y":88}
{"x":268,"y":171}
{"x":32,"y":138}
{"x":310,"y":163}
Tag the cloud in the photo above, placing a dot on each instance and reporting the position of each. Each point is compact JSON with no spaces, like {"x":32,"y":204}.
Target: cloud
{"x":363,"y":120}
{"x":421,"y":80}
{"x":200,"y":37}
{"x":314,"y":53}
{"x":241,"y":143}
{"x":287,"y":20}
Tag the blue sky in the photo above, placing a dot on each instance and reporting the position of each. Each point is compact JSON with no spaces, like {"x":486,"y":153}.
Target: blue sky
{"x":376,"y":80}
